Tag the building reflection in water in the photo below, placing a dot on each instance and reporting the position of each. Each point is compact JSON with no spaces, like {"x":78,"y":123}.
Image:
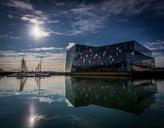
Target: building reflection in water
{"x":128,"y":95}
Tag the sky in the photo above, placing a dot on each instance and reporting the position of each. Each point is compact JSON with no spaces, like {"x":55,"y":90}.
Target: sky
{"x":34,"y":28}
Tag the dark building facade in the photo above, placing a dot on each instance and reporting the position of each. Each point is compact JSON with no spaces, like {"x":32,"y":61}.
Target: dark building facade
{"x":125,"y":56}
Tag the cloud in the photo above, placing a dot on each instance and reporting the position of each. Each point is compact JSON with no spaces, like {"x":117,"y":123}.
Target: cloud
{"x":53,"y":21}
{"x":7,"y":51}
{"x":92,"y":17}
{"x":125,"y":6}
{"x":157,"y":47}
{"x":11,"y":53}
{"x":21,"y":5}
{"x":86,"y":19}
{"x":39,"y":21}
{"x":9,"y":36}
{"x":10,"y":60}
{"x":52,"y":61}
{"x":38,"y":31}
{"x":83,"y":18}
{"x":45,"y":49}
{"x":32,"y":19}
{"x":37,"y":25}
{"x":28,"y":12}
{"x":35,"y":52}
{"x":60,"y":4}
{"x":55,"y":33}
{"x":10,"y":16}
{"x":83,"y":26}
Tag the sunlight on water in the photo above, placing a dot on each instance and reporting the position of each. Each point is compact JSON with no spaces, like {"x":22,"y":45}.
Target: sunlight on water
{"x":33,"y":117}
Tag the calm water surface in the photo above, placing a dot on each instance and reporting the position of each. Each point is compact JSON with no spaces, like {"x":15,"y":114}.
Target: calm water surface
{"x":77,"y":102}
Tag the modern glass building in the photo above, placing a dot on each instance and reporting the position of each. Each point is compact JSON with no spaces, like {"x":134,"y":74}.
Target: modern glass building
{"x":125,"y":56}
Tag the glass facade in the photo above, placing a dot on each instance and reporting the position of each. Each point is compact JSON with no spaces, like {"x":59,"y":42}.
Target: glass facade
{"x":126,"y":56}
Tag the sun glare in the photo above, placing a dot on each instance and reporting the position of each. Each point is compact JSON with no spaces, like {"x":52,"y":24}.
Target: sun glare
{"x":37,"y":31}
{"x":32,"y":119}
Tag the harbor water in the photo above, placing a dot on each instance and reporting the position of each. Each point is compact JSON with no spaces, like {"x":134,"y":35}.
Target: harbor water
{"x":81,"y":102}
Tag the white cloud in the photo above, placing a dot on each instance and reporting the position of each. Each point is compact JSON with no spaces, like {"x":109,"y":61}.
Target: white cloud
{"x":53,"y":21}
{"x":37,"y":28}
{"x":89,"y":18}
{"x":31,"y":20}
{"x":90,"y":25}
{"x":38,"y":22}
{"x":10,"y":53}
{"x":35,"y":52}
{"x":55,"y":33}
{"x":45,"y":49}
{"x":20,"y":5}
{"x":38,"y":31}
{"x":84,"y":18}
{"x":30,"y":14}
{"x":7,"y":51}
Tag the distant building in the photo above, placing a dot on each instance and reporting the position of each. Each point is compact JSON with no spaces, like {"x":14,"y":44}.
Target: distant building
{"x":125,"y":56}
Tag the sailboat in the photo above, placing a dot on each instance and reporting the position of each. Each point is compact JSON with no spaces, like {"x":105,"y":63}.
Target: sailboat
{"x":22,"y":71}
{"x":38,"y":71}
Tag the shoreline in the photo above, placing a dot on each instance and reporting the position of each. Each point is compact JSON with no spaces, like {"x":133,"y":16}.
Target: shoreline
{"x":138,"y":74}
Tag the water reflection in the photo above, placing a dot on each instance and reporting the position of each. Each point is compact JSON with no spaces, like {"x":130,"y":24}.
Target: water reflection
{"x":33,"y":117}
{"x":124,"y":94}
{"x":117,"y":102}
{"x":23,"y":80}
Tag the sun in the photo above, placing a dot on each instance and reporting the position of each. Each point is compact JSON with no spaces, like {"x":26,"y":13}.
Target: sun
{"x":37,"y":31}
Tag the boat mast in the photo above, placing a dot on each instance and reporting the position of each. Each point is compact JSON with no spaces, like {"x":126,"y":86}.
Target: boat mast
{"x":41,"y":64}
{"x":23,"y":67}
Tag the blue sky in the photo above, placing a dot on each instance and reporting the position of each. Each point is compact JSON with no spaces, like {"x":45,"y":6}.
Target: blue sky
{"x":93,"y":22}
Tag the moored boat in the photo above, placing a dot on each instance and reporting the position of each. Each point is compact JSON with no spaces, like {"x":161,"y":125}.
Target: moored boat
{"x":38,"y":70}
